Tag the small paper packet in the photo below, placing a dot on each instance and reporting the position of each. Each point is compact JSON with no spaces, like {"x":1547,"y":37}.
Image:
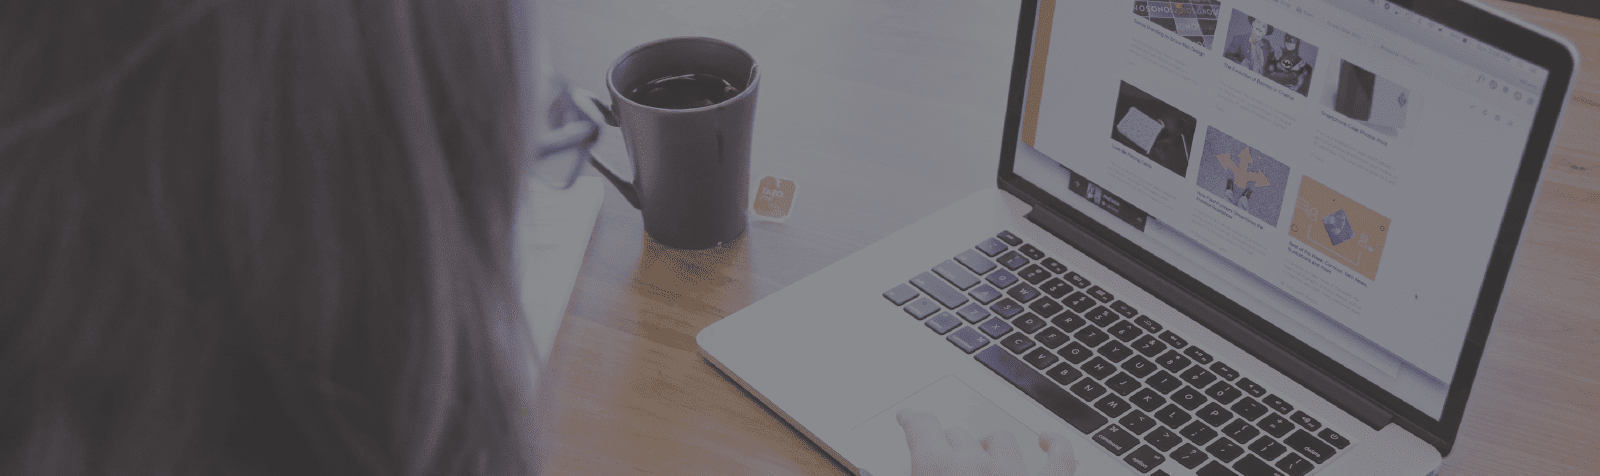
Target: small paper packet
{"x":774,"y":199}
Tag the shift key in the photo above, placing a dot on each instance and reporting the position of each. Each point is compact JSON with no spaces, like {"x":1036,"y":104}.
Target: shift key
{"x":1041,"y":389}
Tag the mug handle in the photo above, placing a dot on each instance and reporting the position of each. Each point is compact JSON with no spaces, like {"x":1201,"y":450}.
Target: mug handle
{"x":597,"y":112}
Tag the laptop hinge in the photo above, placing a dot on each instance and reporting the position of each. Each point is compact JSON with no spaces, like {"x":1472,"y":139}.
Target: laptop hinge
{"x":1078,"y":234}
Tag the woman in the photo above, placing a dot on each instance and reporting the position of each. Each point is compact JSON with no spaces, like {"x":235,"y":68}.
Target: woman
{"x":259,"y":237}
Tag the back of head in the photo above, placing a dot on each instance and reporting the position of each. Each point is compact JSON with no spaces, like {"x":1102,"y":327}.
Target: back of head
{"x":259,"y":237}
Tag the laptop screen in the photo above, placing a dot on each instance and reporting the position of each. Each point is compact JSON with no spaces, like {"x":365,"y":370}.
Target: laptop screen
{"x":1340,"y":168}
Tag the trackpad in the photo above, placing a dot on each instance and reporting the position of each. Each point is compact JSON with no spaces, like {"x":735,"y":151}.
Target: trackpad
{"x":881,"y":441}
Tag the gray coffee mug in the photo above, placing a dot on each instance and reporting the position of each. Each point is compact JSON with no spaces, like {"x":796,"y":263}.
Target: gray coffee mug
{"x":691,"y":167}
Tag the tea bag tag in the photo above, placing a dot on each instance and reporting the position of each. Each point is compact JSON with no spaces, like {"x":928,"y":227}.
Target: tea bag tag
{"x":774,"y":198}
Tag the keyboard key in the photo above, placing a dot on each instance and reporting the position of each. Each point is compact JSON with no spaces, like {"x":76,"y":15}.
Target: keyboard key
{"x":922,"y":307}
{"x":1163,"y":439}
{"x":1125,"y":331}
{"x":1006,"y":308}
{"x":992,"y":246}
{"x":1042,"y":390}
{"x":1052,"y":337}
{"x":1012,"y":260}
{"x":1028,"y":323}
{"x":1053,"y":265}
{"x":1214,"y":469}
{"x":1226,"y":372}
{"x":1198,"y":433}
{"x":1277,"y":404}
{"x":1123,"y":384}
{"x":1309,"y":446}
{"x":1116,"y":439}
{"x":984,"y":293}
{"x":1056,"y":288}
{"x":1101,"y":294}
{"x":1112,"y":405}
{"x":1101,"y":316}
{"x":1138,"y":366}
{"x":943,"y":322}
{"x":1064,"y":373}
{"x":1147,"y":323}
{"x":1031,"y":252}
{"x":1114,"y":351}
{"x":1268,"y":448}
{"x":1224,"y":393}
{"x":901,"y":294}
{"x":1188,"y":398}
{"x":1253,"y":466}
{"x":1075,"y":353}
{"x":1173,"y":416}
{"x":1017,"y":343}
{"x":968,"y":339}
{"x":1251,"y":388}
{"x":1214,"y":415}
{"x":1335,"y":439}
{"x":1173,"y":361}
{"x":1078,"y":302}
{"x":1040,"y":358}
{"x":1124,"y":309}
{"x":1137,"y":422}
{"x":1069,"y":322}
{"x":1076,"y":280}
{"x":1189,"y":456}
{"x":1148,"y":400}
{"x":1099,"y":368}
{"x":973,"y":313}
{"x":1034,"y":274}
{"x":1224,"y":450}
{"x":935,"y":287}
{"x":1046,"y":307}
{"x":1198,"y":376}
{"x":1091,"y":336}
{"x":994,"y":328}
{"x":1200,"y":357}
{"x":1149,"y":345}
{"x":956,"y":275}
{"x":1088,"y":389}
{"x":975,"y":261}
{"x":1163,"y":382}
{"x":1009,"y":238}
{"x":1022,"y":292}
{"x":1249,"y":409}
{"x":1305,"y":421}
{"x":1241,"y":431}
{"x":1144,"y":459}
{"x":1275,"y":425}
{"x":1174,"y":340}
{"x":1002,"y":279}
{"x":1294,"y":465}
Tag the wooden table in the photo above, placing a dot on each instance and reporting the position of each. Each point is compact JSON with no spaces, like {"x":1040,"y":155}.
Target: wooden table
{"x":886,"y":110}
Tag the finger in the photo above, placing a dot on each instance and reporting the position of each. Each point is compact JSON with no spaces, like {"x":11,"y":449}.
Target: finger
{"x":962,"y":442}
{"x":1058,"y":460}
{"x":1005,"y":454}
{"x":923,"y":433}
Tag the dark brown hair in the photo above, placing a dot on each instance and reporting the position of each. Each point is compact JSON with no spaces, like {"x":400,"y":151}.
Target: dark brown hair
{"x":259,"y":237}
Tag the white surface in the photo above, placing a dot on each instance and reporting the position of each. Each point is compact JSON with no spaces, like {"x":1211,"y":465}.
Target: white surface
{"x":552,"y":235}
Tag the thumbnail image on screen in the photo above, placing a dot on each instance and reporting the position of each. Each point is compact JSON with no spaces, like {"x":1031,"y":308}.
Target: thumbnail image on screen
{"x":1270,"y":52}
{"x":1195,"y":20}
{"x":1377,"y":102}
{"x":1153,"y":128}
{"x":1339,"y":227}
{"x":1243,"y":176}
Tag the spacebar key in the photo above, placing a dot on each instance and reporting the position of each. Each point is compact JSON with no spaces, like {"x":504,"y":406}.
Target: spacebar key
{"x":1044,"y":391}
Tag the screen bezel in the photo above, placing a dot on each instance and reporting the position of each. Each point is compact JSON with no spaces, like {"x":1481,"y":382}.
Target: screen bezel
{"x":1468,"y":18}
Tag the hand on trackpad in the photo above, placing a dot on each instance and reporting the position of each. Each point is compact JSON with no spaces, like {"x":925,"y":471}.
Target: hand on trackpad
{"x":950,"y":425}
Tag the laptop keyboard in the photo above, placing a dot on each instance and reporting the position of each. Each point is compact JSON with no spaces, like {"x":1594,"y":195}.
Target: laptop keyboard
{"x":1140,"y":391}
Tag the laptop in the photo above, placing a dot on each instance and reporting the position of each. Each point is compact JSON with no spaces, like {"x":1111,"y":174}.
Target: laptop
{"x":1189,"y":266}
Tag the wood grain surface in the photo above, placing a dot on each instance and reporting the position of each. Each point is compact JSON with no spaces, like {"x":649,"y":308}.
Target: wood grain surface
{"x":884,"y":111}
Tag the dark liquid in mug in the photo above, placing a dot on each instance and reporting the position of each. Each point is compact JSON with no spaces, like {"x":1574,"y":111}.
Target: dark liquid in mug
{"x":684,"y":91}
